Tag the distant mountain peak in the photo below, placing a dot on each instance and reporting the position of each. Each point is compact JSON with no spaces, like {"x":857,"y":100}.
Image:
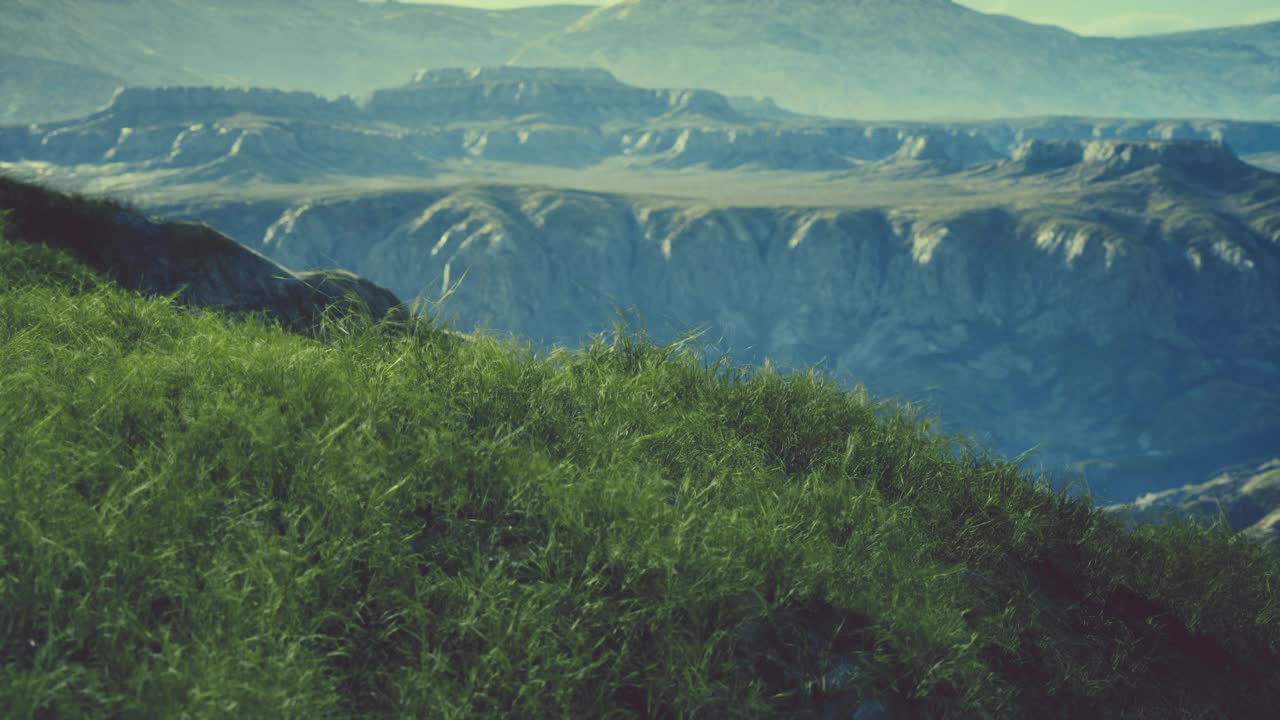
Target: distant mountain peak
{"x":913,"y":59}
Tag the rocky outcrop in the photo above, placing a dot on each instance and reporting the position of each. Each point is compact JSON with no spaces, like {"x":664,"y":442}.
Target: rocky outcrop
{"x":1042,"y":156}
{"x":571,"y":97}
{"x":1247,"y":498}
{"x":203,"y":267}
{"x":1137,"y":349}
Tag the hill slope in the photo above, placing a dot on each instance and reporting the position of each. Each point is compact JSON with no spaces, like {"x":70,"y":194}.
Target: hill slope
{"x":194,"y":263}
{"x":910,"y":58}
{"x":198,"y":515}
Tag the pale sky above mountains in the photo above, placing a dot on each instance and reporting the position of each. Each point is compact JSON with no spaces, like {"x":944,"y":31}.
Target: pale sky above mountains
{"x":1088,"y":17}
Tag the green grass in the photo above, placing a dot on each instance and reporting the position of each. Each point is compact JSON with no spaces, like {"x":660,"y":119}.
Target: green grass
{"x":204,"y":517}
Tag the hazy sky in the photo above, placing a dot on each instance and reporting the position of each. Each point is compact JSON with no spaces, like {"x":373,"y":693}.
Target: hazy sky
{"x":1092,"y":17}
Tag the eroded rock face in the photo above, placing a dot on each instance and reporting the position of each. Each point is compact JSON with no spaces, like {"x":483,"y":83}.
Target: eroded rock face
{"x":1138,"y":349}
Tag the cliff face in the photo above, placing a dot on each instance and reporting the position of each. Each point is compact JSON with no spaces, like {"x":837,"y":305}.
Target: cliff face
{"x":1138,"y":347}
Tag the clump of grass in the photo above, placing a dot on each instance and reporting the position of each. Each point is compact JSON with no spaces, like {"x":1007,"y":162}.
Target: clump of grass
{"x":214,"y":518}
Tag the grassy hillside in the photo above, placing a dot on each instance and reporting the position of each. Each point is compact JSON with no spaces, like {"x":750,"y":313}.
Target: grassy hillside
{"x":190,"y":262}
{"x":207,"y":517}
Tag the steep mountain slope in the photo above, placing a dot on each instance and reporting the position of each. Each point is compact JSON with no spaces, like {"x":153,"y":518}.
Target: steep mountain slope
{"x":326,"y":46}
{"x":1121,"y":312}
{"x":909,"y":58}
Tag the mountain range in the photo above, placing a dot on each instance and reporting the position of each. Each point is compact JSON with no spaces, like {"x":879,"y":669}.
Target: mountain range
{"x":868,"y":59}
{"x":918,"y":58}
